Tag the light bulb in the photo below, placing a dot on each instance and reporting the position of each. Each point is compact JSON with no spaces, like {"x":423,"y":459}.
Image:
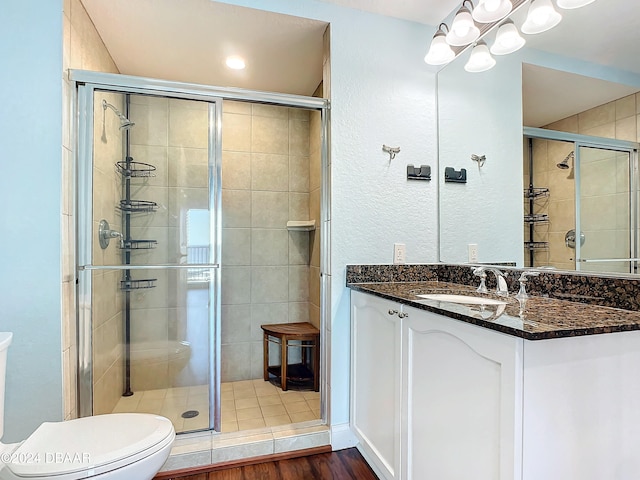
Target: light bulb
{"x":541,"y":17}
{"x":480,"y":60}
{"x":463,"y":30}
{"x":492,"y":5}
{"x":508,"y":39}
{"x":439,"y":52}
{"x":489,"y":11}
{"x":235,"y":62}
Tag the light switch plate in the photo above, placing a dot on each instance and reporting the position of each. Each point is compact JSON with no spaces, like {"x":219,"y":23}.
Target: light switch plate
{"x":399,"y":252}
{"x":473,"y":253}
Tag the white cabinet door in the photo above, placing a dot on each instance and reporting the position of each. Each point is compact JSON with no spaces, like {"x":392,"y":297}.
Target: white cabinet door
{"x":462,"y":387}
{"x":375,"y":381}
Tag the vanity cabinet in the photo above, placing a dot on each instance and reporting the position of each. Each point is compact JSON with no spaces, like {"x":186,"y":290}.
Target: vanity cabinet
{"x":433,"y":397}
{"x":438,"y":398}
{"x":375,"y":381}
{"x":462,"y":398}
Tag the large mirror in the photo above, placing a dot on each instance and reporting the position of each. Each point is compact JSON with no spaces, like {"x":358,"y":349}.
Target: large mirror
{"x":568,"y":96}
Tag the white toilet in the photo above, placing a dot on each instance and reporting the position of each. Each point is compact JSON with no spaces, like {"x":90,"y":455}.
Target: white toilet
{"x":119,"y":446}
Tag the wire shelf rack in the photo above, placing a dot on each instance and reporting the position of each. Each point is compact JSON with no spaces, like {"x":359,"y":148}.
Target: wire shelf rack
{"x":130,"y":168}
{"x":536,"y":245}
{"x":129,"y":285}
{"x":137,"y":206}
{"x":138,"y":244}
{"x":536,"y":192}
{"x":536,"y":218}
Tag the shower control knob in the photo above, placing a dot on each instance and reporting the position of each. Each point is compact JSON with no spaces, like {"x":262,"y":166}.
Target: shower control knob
{"x":105,"y":234}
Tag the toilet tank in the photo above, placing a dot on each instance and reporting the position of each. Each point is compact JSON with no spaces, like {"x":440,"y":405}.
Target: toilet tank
{"x":5,"y":341}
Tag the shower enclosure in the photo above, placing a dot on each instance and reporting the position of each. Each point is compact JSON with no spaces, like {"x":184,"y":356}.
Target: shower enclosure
{"x":581,"y":202}
{"x":179,"y":263}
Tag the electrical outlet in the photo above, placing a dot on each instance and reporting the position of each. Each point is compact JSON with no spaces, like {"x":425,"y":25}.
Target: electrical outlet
{"x":399,"y":252}
{"x":473,"y":253}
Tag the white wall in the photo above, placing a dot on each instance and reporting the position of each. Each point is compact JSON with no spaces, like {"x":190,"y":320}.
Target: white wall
{"x":481,"y":113}
{"x":30,"y":193}
{"x":382,"y":92}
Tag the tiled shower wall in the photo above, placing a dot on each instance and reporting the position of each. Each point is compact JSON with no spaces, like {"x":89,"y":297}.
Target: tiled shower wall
{"x":604,"y":187}
{"x":82,"y":49}
{"x":266,"y":181}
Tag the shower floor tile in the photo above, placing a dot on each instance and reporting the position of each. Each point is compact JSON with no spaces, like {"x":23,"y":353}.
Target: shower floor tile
{"x":247,"y":404}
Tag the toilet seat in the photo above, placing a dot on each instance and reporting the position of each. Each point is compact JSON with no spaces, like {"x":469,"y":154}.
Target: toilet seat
{"x":90,"y":446}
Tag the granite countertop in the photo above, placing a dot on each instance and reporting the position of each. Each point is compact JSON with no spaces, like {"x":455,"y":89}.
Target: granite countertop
{"x":537,"y":318}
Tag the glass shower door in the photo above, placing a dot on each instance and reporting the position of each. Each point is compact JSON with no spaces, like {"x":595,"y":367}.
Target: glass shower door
{"x":147,"y":205}
{"x":605,"y":217}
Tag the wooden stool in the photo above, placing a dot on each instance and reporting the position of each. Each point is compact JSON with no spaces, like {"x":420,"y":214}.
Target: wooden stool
{"x":284,"y":333}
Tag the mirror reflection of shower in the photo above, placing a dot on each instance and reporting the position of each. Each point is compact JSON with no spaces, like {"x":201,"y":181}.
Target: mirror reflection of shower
{"x":564,"y":164}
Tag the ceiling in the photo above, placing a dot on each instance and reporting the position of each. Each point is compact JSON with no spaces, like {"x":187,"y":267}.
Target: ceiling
{"x":165,"y":39}
{"x":429,"y":12}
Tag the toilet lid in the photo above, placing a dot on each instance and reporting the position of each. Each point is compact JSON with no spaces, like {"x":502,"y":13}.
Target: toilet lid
{"x":89,"y":444}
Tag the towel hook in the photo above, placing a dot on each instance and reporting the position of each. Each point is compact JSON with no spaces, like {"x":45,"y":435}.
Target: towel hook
{"x":392,"y":151}
{"x":479,"y":159}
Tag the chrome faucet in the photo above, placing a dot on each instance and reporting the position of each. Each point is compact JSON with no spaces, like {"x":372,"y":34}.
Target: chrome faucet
{"x":522,"y":293}
{"x":501,"y":283}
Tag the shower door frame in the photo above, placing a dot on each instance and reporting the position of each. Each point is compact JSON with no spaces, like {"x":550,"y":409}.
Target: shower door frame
{"x":631,"y":148}
{"x":87,"y":82}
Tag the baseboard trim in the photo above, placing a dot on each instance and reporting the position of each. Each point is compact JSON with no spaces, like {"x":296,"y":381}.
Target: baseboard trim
{"x":342,"y":437}
{"x":243,"y":462}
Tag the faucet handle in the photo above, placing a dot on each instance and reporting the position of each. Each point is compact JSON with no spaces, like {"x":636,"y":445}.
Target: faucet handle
{"x":479,"y":271}
{"x":522,"y":293}
{"x":525,"y":274}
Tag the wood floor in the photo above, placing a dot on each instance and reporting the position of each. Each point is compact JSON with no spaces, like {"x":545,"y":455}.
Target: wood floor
{"x":341,"y":465}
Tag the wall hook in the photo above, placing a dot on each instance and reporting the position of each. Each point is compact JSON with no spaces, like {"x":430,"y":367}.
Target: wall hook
{"x":392,"y":151}
{"x":479,"y":159}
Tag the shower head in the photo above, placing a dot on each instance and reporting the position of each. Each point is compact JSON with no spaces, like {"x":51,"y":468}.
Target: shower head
{"x":125,"y":123}
{"x":564,"y":164}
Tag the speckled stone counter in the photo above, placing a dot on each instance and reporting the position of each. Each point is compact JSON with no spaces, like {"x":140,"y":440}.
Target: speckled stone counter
{"x":537,"y":318}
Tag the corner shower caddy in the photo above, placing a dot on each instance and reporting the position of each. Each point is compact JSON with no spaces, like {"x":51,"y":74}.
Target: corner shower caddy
{"x":532,"y":193}
{"x":128,"y":169}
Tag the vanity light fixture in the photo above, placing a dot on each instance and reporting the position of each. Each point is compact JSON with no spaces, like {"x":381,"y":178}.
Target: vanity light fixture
{"x":541,"y":17}
{"x":489,"y":11}
{"x":508,"y":39}
{"x":568,"y":4}
{"x":439,"y":52}
{"x":235,"y":62}
{"x":463,"y":30}
{"x":481,"y":59}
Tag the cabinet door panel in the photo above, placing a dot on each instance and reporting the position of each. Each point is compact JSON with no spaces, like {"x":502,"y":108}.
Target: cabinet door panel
{"x":463,"y":390}
{"x":375,"y":404}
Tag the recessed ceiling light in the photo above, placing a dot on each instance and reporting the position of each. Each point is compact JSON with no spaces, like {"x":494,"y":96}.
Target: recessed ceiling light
{"x":235,"y":62}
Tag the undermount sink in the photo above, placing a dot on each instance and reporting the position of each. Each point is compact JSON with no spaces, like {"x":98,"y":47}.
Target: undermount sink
{"x":465,"y":299}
